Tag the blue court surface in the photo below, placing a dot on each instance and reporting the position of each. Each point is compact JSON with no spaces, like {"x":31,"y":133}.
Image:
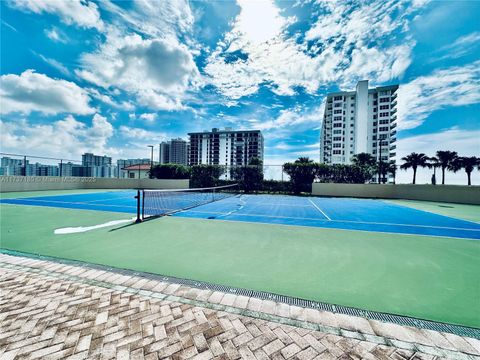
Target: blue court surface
{"x":336,"y":213}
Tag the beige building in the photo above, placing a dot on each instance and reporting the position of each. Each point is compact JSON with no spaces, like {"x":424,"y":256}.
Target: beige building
{"x":138,"y":171}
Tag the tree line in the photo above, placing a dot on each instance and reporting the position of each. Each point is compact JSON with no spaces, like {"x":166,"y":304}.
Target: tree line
{"x":445,"y":160}
{"x":364,"y":168}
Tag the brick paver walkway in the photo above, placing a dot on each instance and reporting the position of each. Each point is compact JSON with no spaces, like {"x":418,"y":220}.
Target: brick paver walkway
{"x":55,"y":311}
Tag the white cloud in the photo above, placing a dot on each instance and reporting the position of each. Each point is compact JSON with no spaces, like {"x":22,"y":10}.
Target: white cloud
{"x":149,"y":117}
{"x":454,"y":86}
{"x":124,"y":105}
{"x":464,"y":142}
{"x":55,"y":64}
{"x":154,"y":18}
{"x":56,"y":35}
{"x":67,"y":138}
{"x":342,"y":46}
{"x":462,"y":46}
{"x":157,"y":71}
{"x":31,"y":91}
{"x":82,"y":13}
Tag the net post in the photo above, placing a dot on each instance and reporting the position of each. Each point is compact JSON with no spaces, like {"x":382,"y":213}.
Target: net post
{"x":139,"y":220}
{"x":143,"y":204}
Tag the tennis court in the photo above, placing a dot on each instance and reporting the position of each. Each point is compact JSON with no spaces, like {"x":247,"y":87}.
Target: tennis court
{"x":364,"y":253}
{"x":334,"y":213}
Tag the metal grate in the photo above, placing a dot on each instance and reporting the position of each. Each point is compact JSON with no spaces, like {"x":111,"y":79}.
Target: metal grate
{"x":372,"y":315}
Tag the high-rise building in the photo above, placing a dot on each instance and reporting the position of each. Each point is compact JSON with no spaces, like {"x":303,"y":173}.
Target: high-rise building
{"x":225,"y":147}
{"x":164,"y":153}
{"x":98,"y":166}
{"x":174,"y":151}
{"x":360,"y":121}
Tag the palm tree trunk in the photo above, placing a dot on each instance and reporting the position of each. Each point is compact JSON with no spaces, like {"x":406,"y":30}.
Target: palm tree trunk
{"x":414,"y":174}
{"x":443,"y":175}
{"x":469,"y":178}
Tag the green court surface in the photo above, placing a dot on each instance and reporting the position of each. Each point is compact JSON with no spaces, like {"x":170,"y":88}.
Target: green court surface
{"x":432,"y":278}
{"x":459,"y":211}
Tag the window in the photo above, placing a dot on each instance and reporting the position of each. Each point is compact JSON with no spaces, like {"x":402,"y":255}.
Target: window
{"x":337,"y":145}
{"x":337,"y":152}
{"x":384,"y":100}
{"x":338,"y":98}
{"x":337,"y":105}
{"x":337,"y":118}
{"x":384,"y":107}
{"x":337,"y":125}
{"x":383,"y":128}
{"x":339,"y":111}
{"x":384,"y":121}
{"x":337,"y":131}
{"x":374,"y":123}
{"x":337,"y":138}
{"x":131,"y":175}
{"x":384,"y":114}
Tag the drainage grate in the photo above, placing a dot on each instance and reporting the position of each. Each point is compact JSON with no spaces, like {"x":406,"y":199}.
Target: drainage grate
{"x":372,"y":315}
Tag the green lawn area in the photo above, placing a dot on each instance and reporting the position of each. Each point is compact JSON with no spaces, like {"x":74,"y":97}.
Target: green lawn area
{"x":424,"y":277}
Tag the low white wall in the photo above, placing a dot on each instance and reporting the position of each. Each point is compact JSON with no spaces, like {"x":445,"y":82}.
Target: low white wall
{"x":39,"y":183}
{"x":441,"y":193}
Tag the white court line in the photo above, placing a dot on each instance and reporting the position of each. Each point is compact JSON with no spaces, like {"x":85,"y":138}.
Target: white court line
{"x":336,"y":229}
{"x":316,"y":207}
{"x":81,"y":229}
{"x":66,"y":203}
{"x":338,"y":221}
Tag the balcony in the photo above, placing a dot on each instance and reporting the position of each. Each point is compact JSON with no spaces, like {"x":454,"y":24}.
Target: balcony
{"x":392,"y":140}
{"x":393,"y":103}
{"x":393,"y":118}
{"x":393,"y":147}
{"x":394,"y":96}
{"x":393,"y":154}
{"x":393,"y":111}
{"x":393,"y":126}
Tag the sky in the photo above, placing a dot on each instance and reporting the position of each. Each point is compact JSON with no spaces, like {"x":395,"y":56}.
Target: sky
{"x":113,"y":77}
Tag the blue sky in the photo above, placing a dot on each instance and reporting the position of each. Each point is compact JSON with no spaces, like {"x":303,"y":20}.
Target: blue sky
{"x":112,"y":77}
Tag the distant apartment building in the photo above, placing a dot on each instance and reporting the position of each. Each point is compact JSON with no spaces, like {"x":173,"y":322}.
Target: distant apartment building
{"x":360,"y":121}
{"x":174,"y":151}
{"x":225,"y":147}
{"x":124,"y":163}
{"x":9,"y":166}
{"x":96,"y":166}
{"x":164,"y":153}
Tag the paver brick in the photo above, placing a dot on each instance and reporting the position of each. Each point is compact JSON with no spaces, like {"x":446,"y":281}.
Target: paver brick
{"x":55,"y":317}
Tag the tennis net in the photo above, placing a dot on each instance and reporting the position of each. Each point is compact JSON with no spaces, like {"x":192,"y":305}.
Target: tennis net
{"x":165,"y":202}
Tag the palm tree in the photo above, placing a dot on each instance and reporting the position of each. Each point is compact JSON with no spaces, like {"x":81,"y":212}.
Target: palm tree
{"x":467,"y":163}
{"x":367,"y":163}
{"x":384,"y":168}
{"x":304,"y":160}
{"x":392,"y":169}
{"x":364,"y":160}
{"x":445,"y":161}
{"x":413,"y":161}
